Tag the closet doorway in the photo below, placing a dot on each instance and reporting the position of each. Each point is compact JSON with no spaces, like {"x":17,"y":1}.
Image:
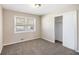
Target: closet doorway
{"x":58,"y":29}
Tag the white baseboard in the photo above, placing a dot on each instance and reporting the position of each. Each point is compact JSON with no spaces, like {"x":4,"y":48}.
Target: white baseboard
{"x":18,"y":42}
{"x":28,"y":40}
{"x":68,"y":47}
{"x":49,"y":40}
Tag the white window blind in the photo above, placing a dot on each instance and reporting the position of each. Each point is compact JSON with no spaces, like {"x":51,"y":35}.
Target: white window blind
{"x":24,"y":24}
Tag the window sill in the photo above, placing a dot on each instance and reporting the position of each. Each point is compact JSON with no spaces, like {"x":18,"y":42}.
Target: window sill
{"x":24,"y":31}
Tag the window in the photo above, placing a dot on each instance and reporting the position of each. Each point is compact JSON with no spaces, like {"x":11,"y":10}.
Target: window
{"x":24,"y":24}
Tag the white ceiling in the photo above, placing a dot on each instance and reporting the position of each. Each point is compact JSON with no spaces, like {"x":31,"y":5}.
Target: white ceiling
{"x":28,"y":8}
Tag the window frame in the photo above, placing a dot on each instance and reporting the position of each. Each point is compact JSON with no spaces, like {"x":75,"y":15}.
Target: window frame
{"x":34,"y":25}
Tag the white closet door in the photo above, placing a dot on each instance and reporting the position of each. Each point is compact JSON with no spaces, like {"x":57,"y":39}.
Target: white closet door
{"x":69,"y":29}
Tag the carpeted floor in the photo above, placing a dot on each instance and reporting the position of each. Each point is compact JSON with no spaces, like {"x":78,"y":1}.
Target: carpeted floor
{"x":37,"y":47}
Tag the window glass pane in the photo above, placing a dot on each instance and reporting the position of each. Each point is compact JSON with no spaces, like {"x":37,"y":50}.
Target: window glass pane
{"x":25,"y":21}
{"x":30,"y":24}
{"x":20,"y":21}
{"x":20,"y":28}
{"x":30,"y":27}
{"x":30,"y":21}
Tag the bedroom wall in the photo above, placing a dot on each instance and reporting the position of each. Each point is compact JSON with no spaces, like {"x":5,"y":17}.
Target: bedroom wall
{"x":47,"y":28}
{"x":8,"y":25}
{"x":78,"y":31}
{"x":1,"y":29}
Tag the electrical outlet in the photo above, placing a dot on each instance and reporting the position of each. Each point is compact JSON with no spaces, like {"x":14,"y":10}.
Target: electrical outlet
{"x":22,"y":39}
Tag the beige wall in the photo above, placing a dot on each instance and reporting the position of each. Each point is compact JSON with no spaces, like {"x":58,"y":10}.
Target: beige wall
{"x":78,"y":30}
{"x":8,"y":25}
{"x":47,"y":28}
{"x":1,"y":39}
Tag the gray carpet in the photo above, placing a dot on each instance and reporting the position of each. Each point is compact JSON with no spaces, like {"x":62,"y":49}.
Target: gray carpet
{"x":37,"y":47}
